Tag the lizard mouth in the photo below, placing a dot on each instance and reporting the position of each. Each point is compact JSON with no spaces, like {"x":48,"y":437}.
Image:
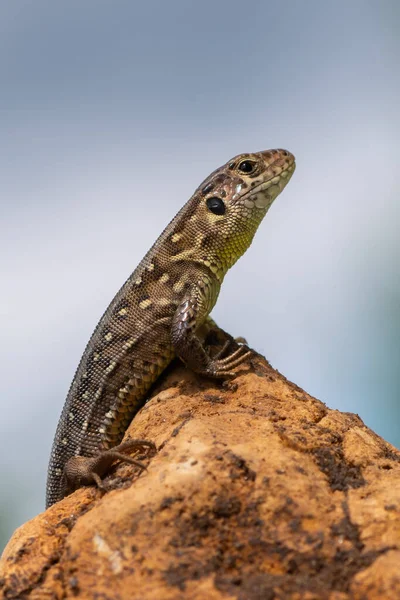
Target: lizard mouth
{"x":262,"y":195}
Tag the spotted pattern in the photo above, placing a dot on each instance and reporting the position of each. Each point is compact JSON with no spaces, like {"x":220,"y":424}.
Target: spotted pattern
{"x":132,"y":344}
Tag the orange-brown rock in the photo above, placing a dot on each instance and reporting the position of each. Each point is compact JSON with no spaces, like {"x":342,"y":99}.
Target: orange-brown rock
{"x":258,"y":492}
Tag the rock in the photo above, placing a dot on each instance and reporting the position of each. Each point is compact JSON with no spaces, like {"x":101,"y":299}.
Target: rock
{"x":258,"y":491}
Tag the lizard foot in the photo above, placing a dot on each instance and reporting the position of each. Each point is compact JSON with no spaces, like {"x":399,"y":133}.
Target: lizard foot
{"x":82,"y":470}
{"x":221,"y":368}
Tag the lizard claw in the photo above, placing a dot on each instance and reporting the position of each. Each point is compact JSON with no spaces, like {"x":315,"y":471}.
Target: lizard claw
{"x":221,"y":368}
{"x":82,"y":470}
{"x":221,"y":352}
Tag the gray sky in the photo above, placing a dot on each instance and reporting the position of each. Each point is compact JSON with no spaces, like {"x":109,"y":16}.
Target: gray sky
{"x":112,"y":113}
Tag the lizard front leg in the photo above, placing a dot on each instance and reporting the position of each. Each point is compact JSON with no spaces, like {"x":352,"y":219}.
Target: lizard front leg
{"x":189,"y":348}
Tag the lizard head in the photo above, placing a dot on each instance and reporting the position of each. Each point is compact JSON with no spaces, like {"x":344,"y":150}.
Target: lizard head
{"x":232,"y":202}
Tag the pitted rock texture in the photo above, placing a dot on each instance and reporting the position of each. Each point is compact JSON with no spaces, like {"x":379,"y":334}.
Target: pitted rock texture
{"x":258,"y":492}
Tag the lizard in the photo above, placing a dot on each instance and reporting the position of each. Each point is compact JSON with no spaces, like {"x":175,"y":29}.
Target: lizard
{"x":157,"y":315}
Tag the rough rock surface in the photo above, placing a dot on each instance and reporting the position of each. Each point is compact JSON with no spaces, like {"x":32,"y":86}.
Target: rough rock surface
{"x":258,"y":492}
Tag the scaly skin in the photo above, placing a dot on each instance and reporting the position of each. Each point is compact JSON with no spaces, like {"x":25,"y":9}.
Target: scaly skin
{"x":157,"y":312}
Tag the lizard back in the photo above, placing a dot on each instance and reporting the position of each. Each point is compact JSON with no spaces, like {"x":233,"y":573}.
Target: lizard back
{"x":132,"y":342}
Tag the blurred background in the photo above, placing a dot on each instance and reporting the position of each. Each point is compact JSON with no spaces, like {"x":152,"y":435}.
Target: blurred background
{"x":112,"y":113}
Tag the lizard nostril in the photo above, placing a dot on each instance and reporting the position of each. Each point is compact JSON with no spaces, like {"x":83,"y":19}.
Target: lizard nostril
{"x":208,"y":188}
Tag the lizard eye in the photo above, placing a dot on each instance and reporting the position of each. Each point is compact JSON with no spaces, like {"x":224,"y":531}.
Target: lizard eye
{"x":216,"y":205}
{"x":246,"y":166}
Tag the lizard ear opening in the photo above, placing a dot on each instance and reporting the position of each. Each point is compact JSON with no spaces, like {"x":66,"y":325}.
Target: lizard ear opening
{"x":216,"y":205}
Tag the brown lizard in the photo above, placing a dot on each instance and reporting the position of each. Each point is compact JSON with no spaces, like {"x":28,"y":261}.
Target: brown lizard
{"x":156,"y":315}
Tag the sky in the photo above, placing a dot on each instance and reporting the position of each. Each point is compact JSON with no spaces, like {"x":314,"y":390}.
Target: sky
{"x":112,"y":113}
